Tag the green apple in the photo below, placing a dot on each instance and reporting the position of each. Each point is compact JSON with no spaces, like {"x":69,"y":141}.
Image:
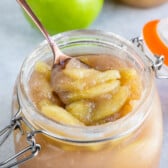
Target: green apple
{"x":62,"y":15}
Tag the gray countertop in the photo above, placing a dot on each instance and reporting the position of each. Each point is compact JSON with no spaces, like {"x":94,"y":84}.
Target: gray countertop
{"x":18,"y":39}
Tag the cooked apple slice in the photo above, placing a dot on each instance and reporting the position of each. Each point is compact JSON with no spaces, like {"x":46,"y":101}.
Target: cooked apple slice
{"x":81,"y":109}
{"x":130,"y":78}
{"x":40,"y":87}
{"x":76,"y":73}
{"x":127,"y":108}
{"x":108,"y":75}
{"x":44,"y":69}
{"x":96,"y":75}
{"x":59,"y":114}
{"x":44,"y":102}
{"x":72,"y":86}
{"x":94,"y":91}
{"x":109,"y":107}
{"x":80,"y":79}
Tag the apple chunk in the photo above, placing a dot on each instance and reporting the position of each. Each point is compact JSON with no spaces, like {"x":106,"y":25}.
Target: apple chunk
{"x":82,"y":110}
{"x":109,"y":107}
{"x":59,"y":114}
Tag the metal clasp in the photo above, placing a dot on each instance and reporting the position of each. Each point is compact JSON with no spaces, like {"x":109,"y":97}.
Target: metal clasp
{"x":157,"y":62}
{"x":31,"y":150}
{"x":15,"y":124}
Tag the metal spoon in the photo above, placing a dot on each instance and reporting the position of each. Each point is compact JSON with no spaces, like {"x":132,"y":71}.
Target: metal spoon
{"x":59,"y":57}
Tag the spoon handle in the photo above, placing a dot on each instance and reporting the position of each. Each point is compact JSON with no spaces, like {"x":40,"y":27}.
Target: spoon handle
{"x":56,"y":51}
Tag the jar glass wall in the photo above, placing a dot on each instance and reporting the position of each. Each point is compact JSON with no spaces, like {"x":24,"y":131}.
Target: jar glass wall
{"x":132,"y":141}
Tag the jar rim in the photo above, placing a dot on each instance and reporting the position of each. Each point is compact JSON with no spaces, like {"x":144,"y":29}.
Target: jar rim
{"x":89,"y":134}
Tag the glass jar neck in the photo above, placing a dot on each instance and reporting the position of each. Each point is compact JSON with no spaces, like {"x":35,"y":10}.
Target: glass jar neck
{"x":86,"y":42}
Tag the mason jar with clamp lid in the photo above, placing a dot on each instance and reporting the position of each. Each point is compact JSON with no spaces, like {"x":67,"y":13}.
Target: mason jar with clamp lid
{"x":134,"y":140}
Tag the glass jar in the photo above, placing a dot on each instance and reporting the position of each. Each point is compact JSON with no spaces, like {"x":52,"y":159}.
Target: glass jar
{"x":132,"y":141}
{"x":143,"y":3}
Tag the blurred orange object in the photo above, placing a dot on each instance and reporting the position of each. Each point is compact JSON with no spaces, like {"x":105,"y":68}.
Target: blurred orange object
{"x":143,"y":3}
{"x":153,"y":40}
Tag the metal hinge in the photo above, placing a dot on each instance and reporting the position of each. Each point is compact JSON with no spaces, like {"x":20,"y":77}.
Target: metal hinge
{"x":157,"y":62}
{"x":31,"y":150}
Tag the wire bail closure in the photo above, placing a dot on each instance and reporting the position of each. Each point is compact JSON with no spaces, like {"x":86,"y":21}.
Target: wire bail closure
{"x":32,"y":149}
{"x":157,"y":62}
